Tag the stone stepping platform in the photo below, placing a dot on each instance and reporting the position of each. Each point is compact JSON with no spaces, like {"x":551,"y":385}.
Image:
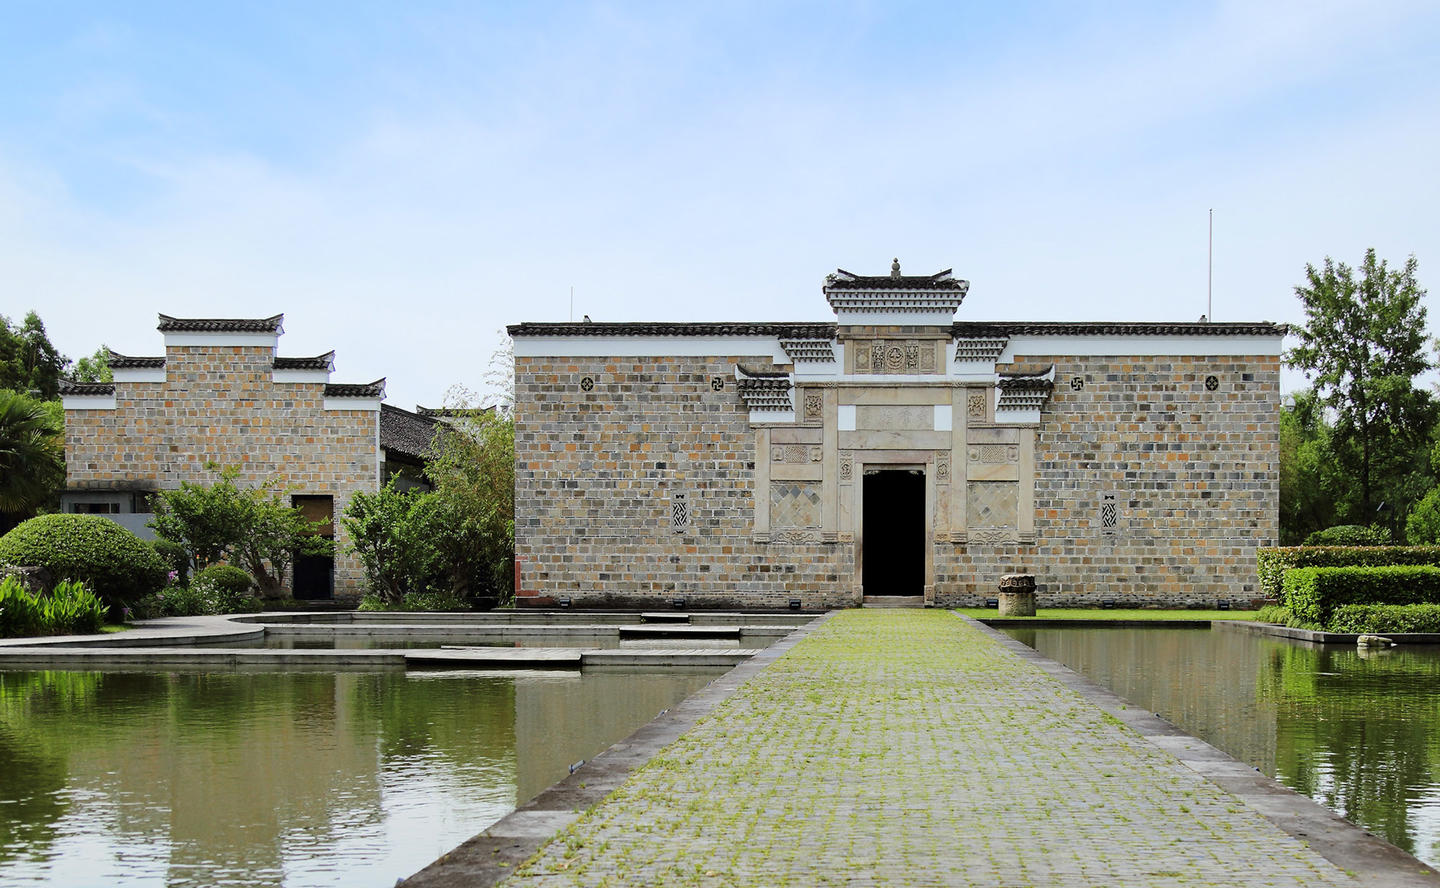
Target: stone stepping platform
{"x":732,"y":632}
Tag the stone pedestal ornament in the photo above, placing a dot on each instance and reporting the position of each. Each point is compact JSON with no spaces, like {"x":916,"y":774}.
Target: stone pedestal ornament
{"x":1017,"y":595}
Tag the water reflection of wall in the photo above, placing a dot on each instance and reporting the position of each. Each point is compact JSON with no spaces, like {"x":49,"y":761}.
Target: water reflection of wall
{"x":216,"y":777}
{"x":560,"y":718}
{"x":1203,"y":681}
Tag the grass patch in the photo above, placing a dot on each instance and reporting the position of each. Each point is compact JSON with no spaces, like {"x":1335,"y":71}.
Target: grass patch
{"x":110,"y":628}
{"x":1095,"y":613}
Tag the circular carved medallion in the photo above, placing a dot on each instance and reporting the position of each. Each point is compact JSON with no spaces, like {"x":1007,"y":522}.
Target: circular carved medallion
{"x":895,"y":358}
{"x":1211,"y":383}
{"x":586,"y":383}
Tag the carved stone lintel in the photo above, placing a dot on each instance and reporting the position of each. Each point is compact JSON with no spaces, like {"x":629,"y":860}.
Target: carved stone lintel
{"x":992,"y":536}
{"x":796,"y":537}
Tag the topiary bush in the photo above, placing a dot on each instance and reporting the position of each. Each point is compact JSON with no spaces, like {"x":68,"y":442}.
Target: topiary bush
{"x":1313,"y":593}
{"x":175,"y":558}
{"x":1271,"y":563}
{"x":1363,"y":619}
{"x":115,"y":564}
{"x":227,"y":588}
{"x":1350,"y":535}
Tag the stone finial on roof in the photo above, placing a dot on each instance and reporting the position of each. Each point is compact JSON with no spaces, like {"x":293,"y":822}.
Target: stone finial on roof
{"x":895,"y":268}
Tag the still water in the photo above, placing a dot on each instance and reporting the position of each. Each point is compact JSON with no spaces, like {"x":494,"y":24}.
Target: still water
{"x":1359,"y":734}
{"x":296,"y":779}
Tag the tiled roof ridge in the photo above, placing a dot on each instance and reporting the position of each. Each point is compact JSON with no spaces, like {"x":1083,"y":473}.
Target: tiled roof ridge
{"x":71,"y":387}
{"x":117,"y":361}
{"x":272,"y":324}
{"x":788,"y":330}
{"x":405,"y":432}
{"x":416,"y":413}
{"x":319,"y":362}
{"x":1116,"y":328}
{"x":374,"y":389}
{"x":840,"y":279}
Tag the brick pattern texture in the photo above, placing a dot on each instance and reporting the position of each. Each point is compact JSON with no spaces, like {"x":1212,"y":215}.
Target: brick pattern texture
{"x":219,"y":404}
{"x":1194,"y":471}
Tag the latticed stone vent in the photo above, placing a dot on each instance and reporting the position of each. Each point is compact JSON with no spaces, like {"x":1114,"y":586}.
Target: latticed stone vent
{"x":679,"y":512}
{"x":764,"y":391}
{"x":1109,"y":514}
{"x":809,"y":351}
{"x":984,"y":350}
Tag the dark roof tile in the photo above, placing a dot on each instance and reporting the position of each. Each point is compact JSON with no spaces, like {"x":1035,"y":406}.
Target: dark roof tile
{"x":406,"y":433}
{"x":67,"y":387}
{"x":271,"y":324}
{"x":319,"y":362}
{"x":118,"y":361}
{"x":841,"y":279}
{"x":651,"y":328}
{"x":374,"y":389}
{"x":969,"y":329}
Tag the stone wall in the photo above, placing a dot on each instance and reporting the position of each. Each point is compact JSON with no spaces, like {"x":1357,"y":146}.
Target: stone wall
{"x":220,"y":404}
{"x":1194,"y":475}
{"x":605,"y":445}
{"x":598,"y":465}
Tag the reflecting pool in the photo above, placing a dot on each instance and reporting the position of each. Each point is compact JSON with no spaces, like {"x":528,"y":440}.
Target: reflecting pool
{"x":296,"y":779}
{"x":1357,"y":733}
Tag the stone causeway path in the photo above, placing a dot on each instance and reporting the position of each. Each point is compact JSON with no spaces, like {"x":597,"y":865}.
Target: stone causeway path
{"x":909,"y":748}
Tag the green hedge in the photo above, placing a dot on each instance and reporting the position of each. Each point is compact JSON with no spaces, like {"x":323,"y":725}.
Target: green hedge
{"x":1379,"y":618}
{"x":1313,"y":593}
{"x":113,"y":562}
{"x":1272,"y":563}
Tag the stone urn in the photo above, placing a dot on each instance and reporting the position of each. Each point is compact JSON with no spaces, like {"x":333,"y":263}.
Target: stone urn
{"x":1017,"y":595}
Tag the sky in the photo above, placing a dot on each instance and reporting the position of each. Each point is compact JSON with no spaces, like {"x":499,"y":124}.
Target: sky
{"x":402,"y":180}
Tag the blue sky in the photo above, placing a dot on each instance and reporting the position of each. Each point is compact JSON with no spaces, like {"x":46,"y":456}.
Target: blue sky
{"x":403,"y":180}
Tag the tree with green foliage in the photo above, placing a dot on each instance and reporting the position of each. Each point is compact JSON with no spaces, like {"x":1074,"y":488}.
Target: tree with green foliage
{"x":32,"y":457}
{"x":1363,"y":344}
{"x":95,"y":368}
{"x":223,"y":522}
{"x":29,"y":362}
{"x":392,"y":534}
{"x":1310,"y":482}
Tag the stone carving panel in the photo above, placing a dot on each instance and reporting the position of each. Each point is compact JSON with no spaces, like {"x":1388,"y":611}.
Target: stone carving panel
{"x":794,"y":504}
{"x":895,"y":356}
{"x":995,"y":453}
{"x":975,"y":406}
{"x":847,"y":466}
{"x":942,"y":468}
{"x":991,"y":536}
{"x":814,"y":407}
{"x":795,"y":454}
{"x":990,"y":503}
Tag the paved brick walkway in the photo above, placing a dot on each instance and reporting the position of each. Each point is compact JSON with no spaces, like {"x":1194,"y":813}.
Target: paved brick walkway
{"x":906,"y":748}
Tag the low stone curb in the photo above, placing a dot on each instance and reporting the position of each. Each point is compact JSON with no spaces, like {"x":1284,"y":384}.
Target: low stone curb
{"x":493,"y":855}
{"x":1375,"y":861}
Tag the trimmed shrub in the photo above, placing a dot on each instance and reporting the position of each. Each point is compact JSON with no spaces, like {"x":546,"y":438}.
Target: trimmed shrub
{"x":1281,"y":616}
{"x":227,"y":589}
{"x":175,"y":558}
{"x":1350,"y":535}
{"x":1378,"y":618}
{"x":1313,"y":593}
{"x":1272,"y":563}
{"x":114,"y":563}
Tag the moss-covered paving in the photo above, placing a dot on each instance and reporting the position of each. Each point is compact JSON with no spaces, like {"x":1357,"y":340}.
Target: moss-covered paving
{"x":906,"y":748}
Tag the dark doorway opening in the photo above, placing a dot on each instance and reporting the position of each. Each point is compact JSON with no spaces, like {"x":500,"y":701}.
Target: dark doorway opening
{"x":894,"y":532}
{"x":315,"y":574}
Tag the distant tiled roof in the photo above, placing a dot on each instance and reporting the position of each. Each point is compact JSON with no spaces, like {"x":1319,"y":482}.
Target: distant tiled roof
{"x":647,"y":328}
{"x":221,"y":325}
{"x":443,"y":412}
{"x":118,"y":361}
{"x":944,"y":280}
{"x":405,"y":433}
{"x":970,"y":329}
{"x":374,"y":389}
{"x":86,"y":388}
{"x":319,"y":362}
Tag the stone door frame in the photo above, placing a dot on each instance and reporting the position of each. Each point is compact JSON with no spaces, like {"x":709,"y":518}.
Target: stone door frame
{"x":897,"y":460}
